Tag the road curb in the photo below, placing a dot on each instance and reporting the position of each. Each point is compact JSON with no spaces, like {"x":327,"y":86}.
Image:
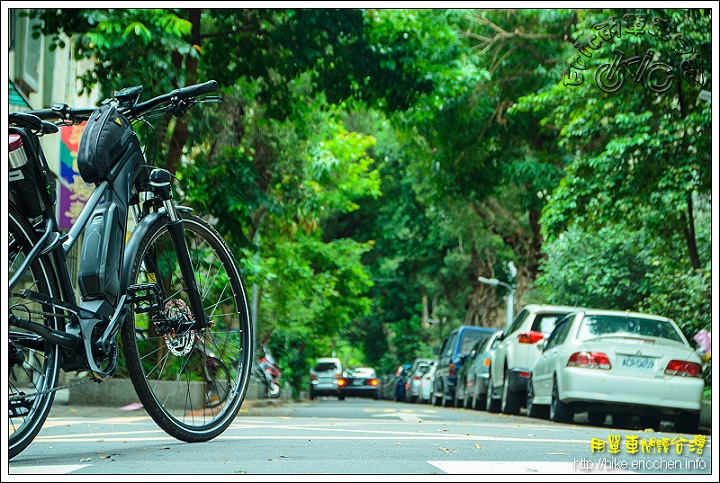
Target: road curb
{"x":120,"y":392}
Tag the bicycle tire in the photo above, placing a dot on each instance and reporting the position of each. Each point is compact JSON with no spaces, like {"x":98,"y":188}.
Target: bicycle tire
{"x":40,"y":372}
{"x":165,"y":367}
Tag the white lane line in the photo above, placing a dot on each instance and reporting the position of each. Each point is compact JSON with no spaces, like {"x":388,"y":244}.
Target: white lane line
{"x":512,"y":467}
{"x":44,"y":470}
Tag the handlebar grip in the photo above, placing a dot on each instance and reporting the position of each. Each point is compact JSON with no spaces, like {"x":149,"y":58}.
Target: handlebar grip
{"x":197,"y":89}
{"x":46,"y":114}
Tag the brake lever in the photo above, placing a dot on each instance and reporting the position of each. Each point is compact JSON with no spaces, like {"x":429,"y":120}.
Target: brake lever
{"x":210,"y":99}
{"x":179,"y":107}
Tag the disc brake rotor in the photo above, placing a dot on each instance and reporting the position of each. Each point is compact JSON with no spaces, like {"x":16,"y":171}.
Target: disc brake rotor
{"x":178,"y":314}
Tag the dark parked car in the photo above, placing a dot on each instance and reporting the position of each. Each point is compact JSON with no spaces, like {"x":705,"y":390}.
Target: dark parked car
{"x":453,"y":354}
{"x":477,"y":373}
{"x":461,"y":383}
{"x":359,"y":382}
{"x":400,"y":378}
{"x":387,"y":386}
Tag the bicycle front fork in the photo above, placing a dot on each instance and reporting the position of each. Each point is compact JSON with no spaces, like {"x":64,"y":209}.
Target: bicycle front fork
{"x":160,"y":183}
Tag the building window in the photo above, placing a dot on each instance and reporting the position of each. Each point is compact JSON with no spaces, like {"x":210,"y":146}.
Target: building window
{"x":28,"y":52}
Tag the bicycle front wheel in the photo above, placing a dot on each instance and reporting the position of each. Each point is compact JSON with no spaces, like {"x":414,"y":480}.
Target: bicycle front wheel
{"x":173,"y":366}
{"x":34,"y":363}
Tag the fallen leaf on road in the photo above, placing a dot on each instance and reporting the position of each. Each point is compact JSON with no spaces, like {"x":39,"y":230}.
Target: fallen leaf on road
{"x":446,"y":450}
{"x":85,"y":459}
{"x":478,"y":446}
{"x":563,"y":454}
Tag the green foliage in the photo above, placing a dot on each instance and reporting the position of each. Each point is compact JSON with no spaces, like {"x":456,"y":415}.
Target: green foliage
{"x":368,"y":165}
{"x":634,"y":148}
{"x":609,"y":268}
{"x":684,"y":296}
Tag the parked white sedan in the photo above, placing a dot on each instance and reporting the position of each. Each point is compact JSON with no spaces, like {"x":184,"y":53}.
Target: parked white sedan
{"x":619,"y":363}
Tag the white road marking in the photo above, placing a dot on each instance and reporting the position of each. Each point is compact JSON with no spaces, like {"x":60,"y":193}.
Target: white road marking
{"x":44,"y":470}
{"x":511,"y":467}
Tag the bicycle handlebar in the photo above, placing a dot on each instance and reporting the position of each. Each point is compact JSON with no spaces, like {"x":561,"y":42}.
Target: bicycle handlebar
{"x":181,"y":94}
{"x":64,"y":113}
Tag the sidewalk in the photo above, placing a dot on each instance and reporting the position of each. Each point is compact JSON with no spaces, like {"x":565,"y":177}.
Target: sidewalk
{"x":118,"y":399}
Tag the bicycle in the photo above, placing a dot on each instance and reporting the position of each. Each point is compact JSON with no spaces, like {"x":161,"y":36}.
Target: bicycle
{"x":173,"y":279}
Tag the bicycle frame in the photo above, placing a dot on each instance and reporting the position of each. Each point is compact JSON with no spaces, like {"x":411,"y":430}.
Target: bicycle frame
{"x":104,"y":313}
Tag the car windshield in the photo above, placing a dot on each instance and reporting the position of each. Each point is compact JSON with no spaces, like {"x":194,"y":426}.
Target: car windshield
{"x":360,"y":372}
{"x":545,"y":323}
{"x":325,"y":367}
{"x":608,"y":325}
{"x":469,"y":340}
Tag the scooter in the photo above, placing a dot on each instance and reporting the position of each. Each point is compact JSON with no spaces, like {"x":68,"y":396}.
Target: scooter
{"x":267,"y":373}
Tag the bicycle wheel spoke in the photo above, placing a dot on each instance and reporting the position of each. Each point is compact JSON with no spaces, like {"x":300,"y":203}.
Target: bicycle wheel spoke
{"x":191,"y":381}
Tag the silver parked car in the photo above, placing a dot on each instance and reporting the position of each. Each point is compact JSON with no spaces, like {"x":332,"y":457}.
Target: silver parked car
{"x":414,"y":375}
{"x":425,"y":387}
{"x":624,"y":364}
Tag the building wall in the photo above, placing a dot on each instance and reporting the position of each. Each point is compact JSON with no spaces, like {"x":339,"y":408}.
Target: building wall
{"x":42,"y":76}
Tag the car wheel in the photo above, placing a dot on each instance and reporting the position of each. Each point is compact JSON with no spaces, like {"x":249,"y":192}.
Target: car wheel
{"x":446,"y":401}
{"x":491,"y":405}
{"x":478,"y":402}
{"x":559,"y":411}
{"x":596,"y":418}
{"x":510,"y":402}
{"x":435,"y":399}
{"x":534,"y":410}
{"x":312,"y":395}
{"x":687,"y":423}
{"x":622,"y":419}
{"x":650,"y":421}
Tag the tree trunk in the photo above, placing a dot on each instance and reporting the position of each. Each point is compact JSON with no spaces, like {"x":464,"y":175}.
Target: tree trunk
{"x":180,"y":133}
{"x":481,"y":306}
{"x":689,"y":231}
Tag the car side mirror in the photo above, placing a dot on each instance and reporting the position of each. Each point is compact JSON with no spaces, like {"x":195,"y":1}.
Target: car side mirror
{"x":501,"y":337}
{"x":544,"y":344}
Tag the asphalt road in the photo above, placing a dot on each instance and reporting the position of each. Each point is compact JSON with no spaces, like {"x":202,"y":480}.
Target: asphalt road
{"x":353,"y":437}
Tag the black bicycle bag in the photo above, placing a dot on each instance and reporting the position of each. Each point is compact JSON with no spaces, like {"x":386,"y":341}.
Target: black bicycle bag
{"x":108,"y":135}
{"x":31,"y":183}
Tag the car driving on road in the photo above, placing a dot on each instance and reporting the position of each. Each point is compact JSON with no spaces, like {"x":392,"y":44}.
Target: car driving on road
{"x":359,"y":382}
{"x":324,"y":377}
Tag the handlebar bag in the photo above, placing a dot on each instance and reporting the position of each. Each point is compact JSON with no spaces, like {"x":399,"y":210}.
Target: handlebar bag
{"x":107,"y":136}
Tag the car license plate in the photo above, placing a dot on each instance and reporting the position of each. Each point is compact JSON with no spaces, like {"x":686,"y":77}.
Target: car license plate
{"x":638,"y":362}
{"x":357,"y":383}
